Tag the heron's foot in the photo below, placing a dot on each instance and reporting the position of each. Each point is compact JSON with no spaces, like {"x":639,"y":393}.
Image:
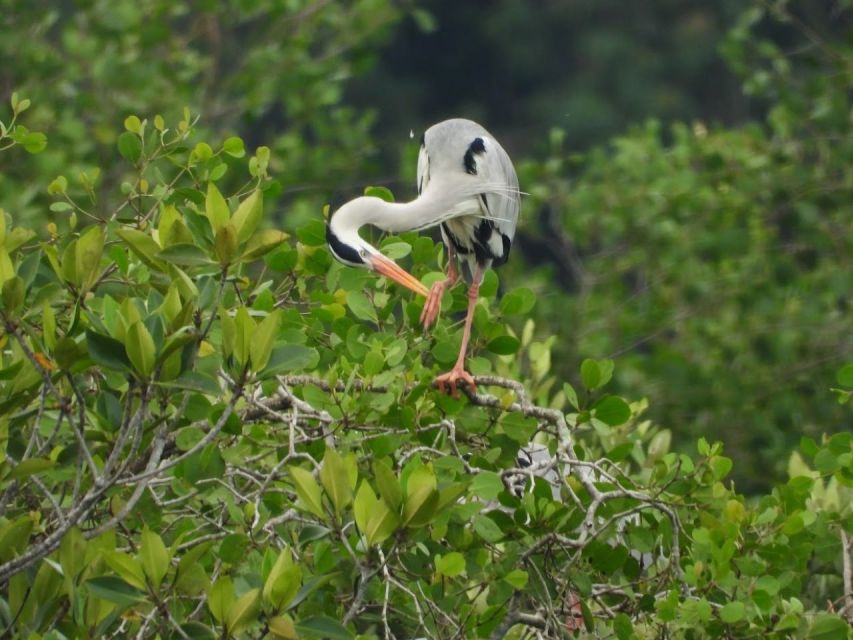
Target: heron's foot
{"x":432,"y":306}
{"x":447,"y":382}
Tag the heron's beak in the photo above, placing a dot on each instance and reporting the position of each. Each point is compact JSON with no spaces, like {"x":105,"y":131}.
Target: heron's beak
{"x":390,"y":269}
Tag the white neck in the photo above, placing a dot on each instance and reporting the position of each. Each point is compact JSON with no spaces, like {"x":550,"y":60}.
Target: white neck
{"x":432,"y":207}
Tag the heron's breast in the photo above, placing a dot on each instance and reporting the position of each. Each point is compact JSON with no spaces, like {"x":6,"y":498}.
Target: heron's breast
{"x":477,"y":237}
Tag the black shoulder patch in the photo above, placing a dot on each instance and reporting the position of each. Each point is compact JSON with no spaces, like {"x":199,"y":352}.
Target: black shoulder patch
{"x":477,"y":146}
{"x":343,"y":252}
{"x":505,"y":256}
{"x":483,"y":231}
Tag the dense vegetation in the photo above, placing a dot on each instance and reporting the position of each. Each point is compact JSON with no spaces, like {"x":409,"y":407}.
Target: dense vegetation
{"x":211,"y":429}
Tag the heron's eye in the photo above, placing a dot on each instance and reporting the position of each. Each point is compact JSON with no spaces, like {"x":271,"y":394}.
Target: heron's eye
{"x":363,"y":253}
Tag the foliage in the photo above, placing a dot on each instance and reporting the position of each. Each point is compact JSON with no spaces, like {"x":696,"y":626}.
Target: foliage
{"x":272,"y":71}
{"x":211,"y":430}
{"x":713,"y":263}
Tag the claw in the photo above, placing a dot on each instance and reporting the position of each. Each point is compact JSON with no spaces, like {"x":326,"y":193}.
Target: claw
{"x":447,"y":382}
{"x":432,"y":306}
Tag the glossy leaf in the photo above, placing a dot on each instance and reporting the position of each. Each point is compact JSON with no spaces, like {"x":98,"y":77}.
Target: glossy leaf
{"x":308,"y":490}
{"x":216,"y":209}
{"x":154,"y":557}
{"x":140,"y":349}
{"x":248,"y":215}
{"x":333,"y":475}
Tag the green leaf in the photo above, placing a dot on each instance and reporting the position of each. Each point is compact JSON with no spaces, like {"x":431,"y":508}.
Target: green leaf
{"x":363,"y":505}
{"x":244,"y":332}
{"x":106,"y":351}
{"x":487,"y":529}
{"x":420,"y":506}
{"x":90,"y":247}
{"x":244,"y":611}
{"x":450,"y":565}
{"x":153,"y":556}
{"x":486,"y":485}
{"x":283,"y":581}
{"x":33,"y":141}
{"x":248,"y":215}
{"x":720,"y":466}
{"x":140,"y":349}
{"x":322,"y":627}
{"x":844,"y":376}
{"x":361,"y":306}
{"x":113,"y":589}
{"x":518,"y":302}
{"x":220,"y":598}
{"x":225,"y":244}
{"x":283,"y":627}
{"x":198,"y":631}
{"x":130,"y":146}
{"x":291,"y":357}
{"x":216,"y":209}
{"x":233,"y":146}
{"x":263,"y":340}
{"x":72,"y":552}
{"x":517,"y":578}
{"x":503,"y":345}
{"x":828,"y":626}
{"x":612,"y":410}
{"x":605,"y":369}
{"x":191,"y":557}
{"x":202,"y":152}
{"x":590,"y":374}
{"x":396,"y":250}
{"x":126,"y":567}
{"x":308,"y":490}
{"x":333,"y":475}
{"x":184,"y":255}
{"x":382,"y":524}
{"x":15,"y":535}
{"x":69,"y":265}
{"x":29,"y":467}
{"x":450,"y":494}
{"x":382,"y":193}
{"x":262,"y":243}
{"x":571,"y":395}
{"x":622,"y":627}
{"x":13,"y":293}
{"x":388,"y":484}
{"x":58,"y":185}
{"x":17,"y":237}
{"x":143,"y":246}
{"x":733,"y":612}
{"x":133,"y":124}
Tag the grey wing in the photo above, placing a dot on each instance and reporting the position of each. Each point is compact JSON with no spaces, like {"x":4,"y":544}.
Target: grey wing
{"x":501,"y":198}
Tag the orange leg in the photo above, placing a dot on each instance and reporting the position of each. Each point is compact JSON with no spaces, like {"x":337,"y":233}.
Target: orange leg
{"x":448,"y":381}
{"x":432,"y":306}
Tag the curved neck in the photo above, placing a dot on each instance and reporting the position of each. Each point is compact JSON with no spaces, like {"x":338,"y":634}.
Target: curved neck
{"x":432,"y":207}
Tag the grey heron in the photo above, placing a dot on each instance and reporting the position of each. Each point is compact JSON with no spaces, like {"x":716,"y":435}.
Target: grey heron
{"x":467,"y":185}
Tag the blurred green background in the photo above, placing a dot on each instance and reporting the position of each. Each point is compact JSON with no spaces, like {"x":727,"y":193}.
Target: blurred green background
{"x":688,"y":163}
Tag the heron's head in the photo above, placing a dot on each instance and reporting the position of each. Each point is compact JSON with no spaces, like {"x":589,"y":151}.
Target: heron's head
{"x":348,"y":248}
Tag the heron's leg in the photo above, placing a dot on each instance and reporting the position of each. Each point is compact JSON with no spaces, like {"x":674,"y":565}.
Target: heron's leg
{"x":448,"y":381}
{"x":432,"y":306}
